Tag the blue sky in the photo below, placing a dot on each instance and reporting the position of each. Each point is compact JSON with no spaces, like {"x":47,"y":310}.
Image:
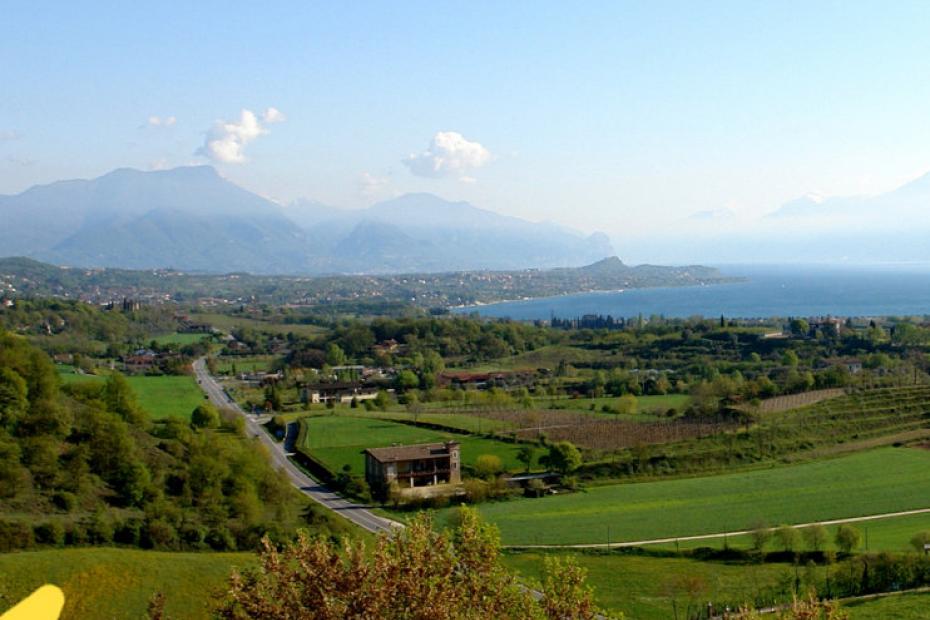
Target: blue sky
{"x":623,"y":117}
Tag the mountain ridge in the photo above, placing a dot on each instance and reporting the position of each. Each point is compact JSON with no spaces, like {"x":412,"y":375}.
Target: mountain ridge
{"x":192,"y":218}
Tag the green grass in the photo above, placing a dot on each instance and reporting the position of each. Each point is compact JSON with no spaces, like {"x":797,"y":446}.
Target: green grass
{"x":643,"y":587}
{"x":166,"y":396}
{"x":883,"y":480}
{"x":897,"y":607}
{"x":245,"y":363}
{"x":118,"y":583}
{"x":180,"y":339}
{"x":891,"y":534}
{"x":228,"y":323}
{"x":340,"y":440}
{"x":469,"y":423}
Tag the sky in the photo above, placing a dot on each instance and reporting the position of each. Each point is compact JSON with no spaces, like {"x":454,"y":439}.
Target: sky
{"x":625,"y":117}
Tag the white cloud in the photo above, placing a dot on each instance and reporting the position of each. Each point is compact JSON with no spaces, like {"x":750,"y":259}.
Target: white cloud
{"x":226,"y":140}
{"x":9,"y":136}
{"x":449,"y":154}
{"x":159,"y":164}
{"x":373,"y":186}
{"x":162,"y":121}
{"x":273,"y":115}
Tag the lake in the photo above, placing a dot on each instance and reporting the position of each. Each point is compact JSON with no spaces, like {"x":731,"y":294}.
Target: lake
{"x":768,"y":291}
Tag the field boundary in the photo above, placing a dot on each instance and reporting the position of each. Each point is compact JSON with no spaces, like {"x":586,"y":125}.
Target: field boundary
{"x":663,"y":541}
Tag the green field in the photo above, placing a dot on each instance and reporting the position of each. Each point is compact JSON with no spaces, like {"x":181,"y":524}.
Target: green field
{"x":180,"y":339}
{"x":889,"y":534}
{"x":244,"y":363}
{"x":118,"y":583}
{"x":340,"y":440}
{"x":895,"y":607}
{"x":643,"y":587}
{"x":874,"y":482}
{"x":228,"y":323}
{"x":166,"y":396}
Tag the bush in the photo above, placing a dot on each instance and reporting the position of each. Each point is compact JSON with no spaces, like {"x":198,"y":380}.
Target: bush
{"x":475,"y":490}
{"x":15,"y":535}
{"x":205,"y":415}
{"x":49,"y":533}
{"x":488,"y":466}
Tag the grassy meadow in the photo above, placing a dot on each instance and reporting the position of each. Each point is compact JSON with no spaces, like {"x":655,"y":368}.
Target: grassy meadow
{"x":179,"y":339}
{"x":873,"y":482}
{"x":644,"y":587}
{"x":340,"y":440}
{"x":118,"y":583}
{"x":164,"y":396}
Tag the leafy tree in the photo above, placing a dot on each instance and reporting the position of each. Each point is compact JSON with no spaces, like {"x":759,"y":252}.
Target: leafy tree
{"x":335,"y":356}
{"x":205,"y":415}
{"x":121,"y":399}
{"x":787,"y":538}
{"x":815,"y":537}
{"x":407,"y":380}
{"x":14,"y":401}
{"x":563,"y":457}
{"x":761,"y":534}
{"x":847,"y":538}
{"x":526,"y":454}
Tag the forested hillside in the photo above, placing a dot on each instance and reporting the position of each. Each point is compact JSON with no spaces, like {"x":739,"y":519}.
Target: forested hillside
{"x":84,"y":464}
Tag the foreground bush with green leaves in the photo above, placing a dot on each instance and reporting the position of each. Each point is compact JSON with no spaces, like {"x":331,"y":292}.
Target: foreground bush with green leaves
{"x":414,"y":573}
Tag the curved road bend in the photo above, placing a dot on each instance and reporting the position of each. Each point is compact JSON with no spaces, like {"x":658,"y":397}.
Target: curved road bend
{"x":355,"y":513}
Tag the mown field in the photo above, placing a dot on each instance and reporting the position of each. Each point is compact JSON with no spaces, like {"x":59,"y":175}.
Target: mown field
{"x":166,"y":396}
{"x":340,"y":440}
{"x":889,"y":534}
{"x":873,"y":482}
{"x":118,"y":583}
{"x":644,"y":587}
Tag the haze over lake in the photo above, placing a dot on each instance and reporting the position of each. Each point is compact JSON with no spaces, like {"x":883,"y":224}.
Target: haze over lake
{"x":798,"y":290}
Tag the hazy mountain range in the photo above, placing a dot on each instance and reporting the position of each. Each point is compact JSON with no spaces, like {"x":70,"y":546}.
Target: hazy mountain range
{"x":889,"y":227}
{"x":191,"y":218}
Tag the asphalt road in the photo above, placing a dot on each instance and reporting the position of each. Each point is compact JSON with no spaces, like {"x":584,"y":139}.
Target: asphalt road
{"x":356,"y":513}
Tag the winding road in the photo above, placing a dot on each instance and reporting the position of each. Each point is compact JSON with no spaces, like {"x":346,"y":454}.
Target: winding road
{"x":356,"y":513}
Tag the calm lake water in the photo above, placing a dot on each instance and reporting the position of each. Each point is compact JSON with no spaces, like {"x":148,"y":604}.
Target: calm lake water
{"x":769,"y":291}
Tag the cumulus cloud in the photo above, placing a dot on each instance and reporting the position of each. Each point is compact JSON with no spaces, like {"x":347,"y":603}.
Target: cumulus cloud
{"x":448,"y":154}
{"x":161,"y":121}
{"x":226,"y":140}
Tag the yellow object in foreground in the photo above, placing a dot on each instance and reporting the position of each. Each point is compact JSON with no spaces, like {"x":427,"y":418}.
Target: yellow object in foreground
{"x":43,"y":604}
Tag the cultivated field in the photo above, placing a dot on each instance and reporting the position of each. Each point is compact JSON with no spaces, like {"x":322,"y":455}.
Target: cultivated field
{"x":874,"y":482}
{"x":340,"y":440}
{"x":118,"y":583}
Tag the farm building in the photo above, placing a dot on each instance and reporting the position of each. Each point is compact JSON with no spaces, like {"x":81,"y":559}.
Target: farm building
{"x":420,"y":465}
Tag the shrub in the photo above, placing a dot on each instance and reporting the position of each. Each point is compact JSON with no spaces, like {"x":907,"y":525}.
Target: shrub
{"x":49,"y":533}
{"x":488,"y":466}
{"x":205,"y":415}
